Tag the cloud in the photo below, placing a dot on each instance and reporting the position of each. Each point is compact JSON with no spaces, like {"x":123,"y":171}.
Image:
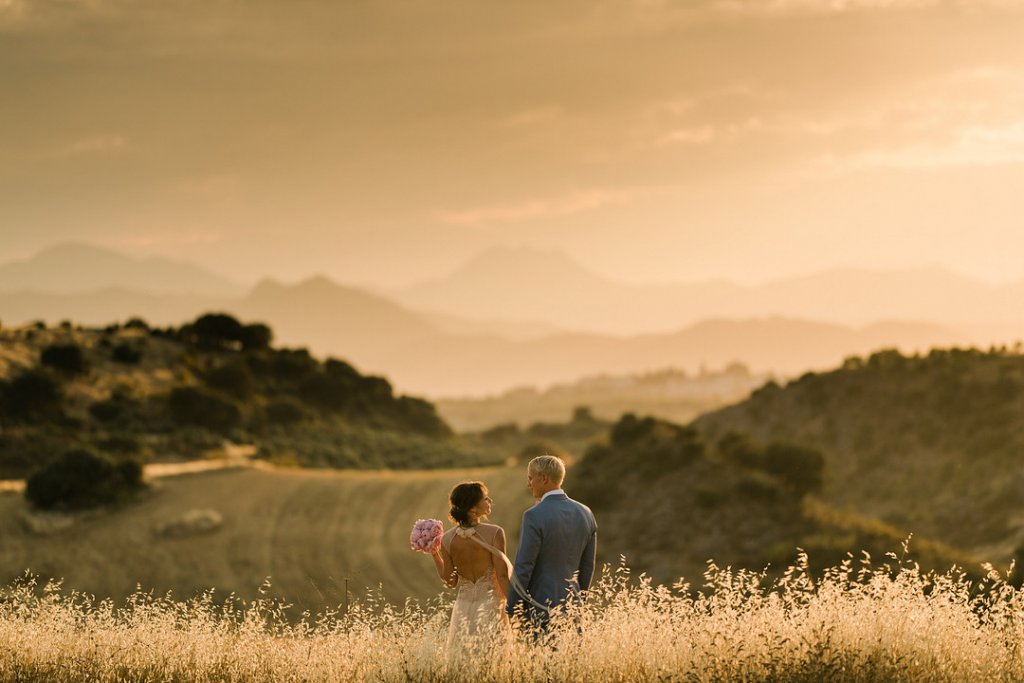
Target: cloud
{"x":529,"y":117}
{"x":550,"y":207}
{"x":94,"y":144}
{"x":214,"y":186}
{"x":970,"y":146}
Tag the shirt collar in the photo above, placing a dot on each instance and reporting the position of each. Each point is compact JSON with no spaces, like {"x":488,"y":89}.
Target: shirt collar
{"x":556,"y":492}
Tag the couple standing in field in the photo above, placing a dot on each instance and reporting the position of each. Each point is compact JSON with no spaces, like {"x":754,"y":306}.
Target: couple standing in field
{"x":554,"y":563}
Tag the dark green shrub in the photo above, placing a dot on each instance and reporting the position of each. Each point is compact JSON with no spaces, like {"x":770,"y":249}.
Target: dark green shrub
{"x":234,"y":379}
{"x":203,"y":408}
{"x":501,"y":433}
{"x":758,"y":486}
{"x":120,"y":408}
{"x":32,"y":394}
{"x":538,"y":448}
{"x":256,"y":337}
{"x":82,"y":479}
{"x":126,"y":445}
{"x":137,"y":324}
{"x":213,"y":331}
{"x":67,"y":358}
{"x":421,"y":417}
{"x":583,"y":414}
{"x":106,"y":411}
{"x":292,"y":365}
{"x":285,"y":411}
{"x":127,"y":354}
{"x":709,"y":498}
{"x":799,"y":468}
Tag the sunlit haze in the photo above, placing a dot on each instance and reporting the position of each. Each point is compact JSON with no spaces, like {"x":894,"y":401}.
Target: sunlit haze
{"x":386,"y":143}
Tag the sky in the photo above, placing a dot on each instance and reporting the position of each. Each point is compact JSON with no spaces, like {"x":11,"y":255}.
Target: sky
{"x":383,"y":143}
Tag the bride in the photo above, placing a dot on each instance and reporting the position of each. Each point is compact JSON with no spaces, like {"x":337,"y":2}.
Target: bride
{"x":472,"y":558}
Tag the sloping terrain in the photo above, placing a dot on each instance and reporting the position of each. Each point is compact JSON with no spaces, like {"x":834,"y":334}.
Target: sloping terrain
{"x":932,"y":444}
{"x":307,"y":530}
{"x":669,"y":501}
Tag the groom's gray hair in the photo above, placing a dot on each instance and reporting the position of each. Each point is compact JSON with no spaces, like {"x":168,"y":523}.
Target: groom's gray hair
{"x":551,"y":466}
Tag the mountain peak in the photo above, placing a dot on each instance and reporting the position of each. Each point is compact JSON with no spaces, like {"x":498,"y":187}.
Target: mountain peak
{"x":76,"y":267}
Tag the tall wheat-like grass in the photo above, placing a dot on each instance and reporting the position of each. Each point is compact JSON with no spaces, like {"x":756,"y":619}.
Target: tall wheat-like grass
{"x":858,"y":622}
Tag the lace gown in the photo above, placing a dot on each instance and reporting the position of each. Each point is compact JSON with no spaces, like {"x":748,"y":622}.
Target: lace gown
{"x":478,"y":611}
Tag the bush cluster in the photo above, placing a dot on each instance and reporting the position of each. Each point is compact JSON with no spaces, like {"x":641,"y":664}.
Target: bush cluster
{"x":81,"y":479}
{"x":67,"y":358}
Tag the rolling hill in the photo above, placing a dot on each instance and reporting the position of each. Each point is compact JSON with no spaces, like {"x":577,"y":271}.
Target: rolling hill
{"x":171,"y":394}
{"x":933,"y":443}
{"x":669,"y":499}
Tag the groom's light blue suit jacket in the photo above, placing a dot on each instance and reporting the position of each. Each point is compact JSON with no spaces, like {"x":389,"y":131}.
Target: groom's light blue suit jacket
{"x":557,"y":550}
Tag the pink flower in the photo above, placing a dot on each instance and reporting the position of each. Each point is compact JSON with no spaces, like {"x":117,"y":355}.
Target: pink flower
{"x":426,"y":535}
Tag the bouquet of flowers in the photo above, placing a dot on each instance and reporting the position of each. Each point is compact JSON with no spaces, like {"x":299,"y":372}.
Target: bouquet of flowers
{"x":426,"y":536}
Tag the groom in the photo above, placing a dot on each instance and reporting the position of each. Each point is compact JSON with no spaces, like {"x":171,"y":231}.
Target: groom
{"x":557,"y":545}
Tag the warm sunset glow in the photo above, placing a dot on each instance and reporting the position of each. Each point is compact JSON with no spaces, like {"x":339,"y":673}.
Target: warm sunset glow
{"x":385,"y":144}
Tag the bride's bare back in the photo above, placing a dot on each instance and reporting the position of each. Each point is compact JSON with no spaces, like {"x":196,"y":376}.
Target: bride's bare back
{"x":466,"y":558}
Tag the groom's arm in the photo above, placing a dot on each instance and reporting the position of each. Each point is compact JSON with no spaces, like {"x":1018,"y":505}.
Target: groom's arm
{"x":589,"y":557}
{"x":587,"y":562}
{"x":526,"y":559}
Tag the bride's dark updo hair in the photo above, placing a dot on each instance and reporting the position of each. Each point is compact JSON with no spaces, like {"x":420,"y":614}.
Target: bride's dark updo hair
{"x":463,"y":498}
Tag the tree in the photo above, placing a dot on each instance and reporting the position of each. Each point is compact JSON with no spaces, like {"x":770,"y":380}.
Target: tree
{"x":82,"y":479}
{"x":68,"y":358}
{"x":234,"y":379}
{"x":203,"y":408}
{"x":32,"y":394}
{"x":127,"y":354}
{"x":800,"y":468}
{"x":256,"y":337}
{"x":285,"y":411}
{"x":214,"y":331}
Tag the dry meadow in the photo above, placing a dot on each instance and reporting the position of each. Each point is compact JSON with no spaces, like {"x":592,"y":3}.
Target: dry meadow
{"x":862,"y":621}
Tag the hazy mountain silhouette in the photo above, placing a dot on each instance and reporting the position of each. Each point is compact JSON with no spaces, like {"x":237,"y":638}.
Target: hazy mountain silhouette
{"x":72,"y":268}
{"x":523,"y":283}
{"x":333,"y":319}
{"x":447,"y":355}
{"x":511,"y":329}
{"x":473,"y":365}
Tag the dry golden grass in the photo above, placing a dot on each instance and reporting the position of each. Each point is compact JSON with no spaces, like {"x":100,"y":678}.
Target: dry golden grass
{"x":858,"y":623}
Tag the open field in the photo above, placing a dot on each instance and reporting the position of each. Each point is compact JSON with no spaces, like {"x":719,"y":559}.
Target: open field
{"x":857,"y":624}
{"x":308,"y":530}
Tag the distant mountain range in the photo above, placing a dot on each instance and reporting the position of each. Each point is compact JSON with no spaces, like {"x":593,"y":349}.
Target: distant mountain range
{"x":74,"y":268}
{"x":548,"y":286}
{"x":526,"y":336}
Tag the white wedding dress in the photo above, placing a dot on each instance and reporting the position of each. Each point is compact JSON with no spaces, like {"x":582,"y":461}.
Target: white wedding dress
{"x":478,"y":615}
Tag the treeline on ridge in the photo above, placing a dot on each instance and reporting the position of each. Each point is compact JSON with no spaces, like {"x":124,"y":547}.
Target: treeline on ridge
{"x":132,"y":392}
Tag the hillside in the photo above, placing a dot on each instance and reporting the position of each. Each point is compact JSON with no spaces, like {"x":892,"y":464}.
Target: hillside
{"x":172,"y":394}
{"x":669,"y":500}
{"x":671,"y":394}
{"x":933,"y":443}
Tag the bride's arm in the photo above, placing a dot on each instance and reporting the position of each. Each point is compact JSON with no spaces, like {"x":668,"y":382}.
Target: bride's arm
{"x":445,"y":568}
{"x":500,"y":568}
